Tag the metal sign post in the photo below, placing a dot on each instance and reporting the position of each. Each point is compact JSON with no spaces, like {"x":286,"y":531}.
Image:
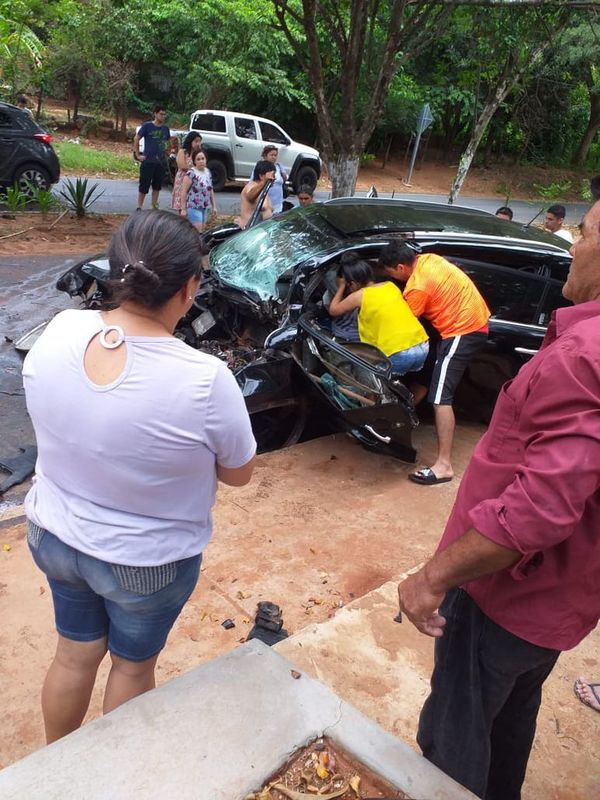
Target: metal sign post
{"x":424,"y":120}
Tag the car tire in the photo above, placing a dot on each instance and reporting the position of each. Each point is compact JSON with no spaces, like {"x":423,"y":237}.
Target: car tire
{"x":218,"y":172}
{"x":306,"y":176}
{"x":34,"y":174}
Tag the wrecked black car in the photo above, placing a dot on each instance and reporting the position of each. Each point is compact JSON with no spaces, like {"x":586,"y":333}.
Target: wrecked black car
{"x":262,"y":308}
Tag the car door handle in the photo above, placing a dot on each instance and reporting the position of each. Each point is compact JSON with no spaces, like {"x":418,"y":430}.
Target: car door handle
{"x":384,"y":439}
{"x":525,"y":351}
{"x":239,"y":145}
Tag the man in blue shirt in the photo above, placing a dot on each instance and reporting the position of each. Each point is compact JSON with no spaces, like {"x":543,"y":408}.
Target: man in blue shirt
{"x":153,"y":160}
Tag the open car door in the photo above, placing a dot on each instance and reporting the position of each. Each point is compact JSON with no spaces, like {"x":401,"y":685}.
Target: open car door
{"x":354,"y":379}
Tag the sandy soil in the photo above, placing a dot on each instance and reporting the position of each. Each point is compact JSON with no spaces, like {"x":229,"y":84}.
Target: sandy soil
{"x":320,"y":525}
{"x":31,"y":234}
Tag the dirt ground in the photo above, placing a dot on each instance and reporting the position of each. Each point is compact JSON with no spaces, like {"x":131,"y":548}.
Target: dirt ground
{"x":320,"y":525}
{"x":32,"y":234}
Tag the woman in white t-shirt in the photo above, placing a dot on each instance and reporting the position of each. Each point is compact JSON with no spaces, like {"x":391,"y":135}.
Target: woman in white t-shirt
{"x":134,"y":428}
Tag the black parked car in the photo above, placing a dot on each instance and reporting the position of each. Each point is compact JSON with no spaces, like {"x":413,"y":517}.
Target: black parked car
{"x":263,"y":309}
{"x":26,"y":154}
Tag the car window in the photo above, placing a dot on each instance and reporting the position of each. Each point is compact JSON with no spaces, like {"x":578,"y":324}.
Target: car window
{"x":215,"y":123}
{"x":6,"y":120}
{"x":271,"y":133}
{"x":256,"y":258}
{"x":553,"y":299}
{"x":511,"y":294}
{"x":245,"y":128}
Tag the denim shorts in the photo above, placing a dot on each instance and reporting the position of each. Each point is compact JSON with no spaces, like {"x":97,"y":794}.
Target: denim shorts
{"x":409,"y":360}
{"x":197,"y":215}
{"x":134,"y":607}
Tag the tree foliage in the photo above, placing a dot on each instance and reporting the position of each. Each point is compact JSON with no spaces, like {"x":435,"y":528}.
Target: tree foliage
{"x":350,"y":51}
{"x":347,"y":75}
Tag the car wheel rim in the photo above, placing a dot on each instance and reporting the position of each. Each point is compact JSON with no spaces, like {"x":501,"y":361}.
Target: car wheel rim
{"x":33,"y":177}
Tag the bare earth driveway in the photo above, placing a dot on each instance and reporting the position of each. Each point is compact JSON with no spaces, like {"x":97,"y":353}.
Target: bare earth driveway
{"x":322,"y":530}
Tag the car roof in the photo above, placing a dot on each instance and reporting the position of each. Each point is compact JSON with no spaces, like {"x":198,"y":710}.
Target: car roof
{"x":239,"y":114}
{"x":354,"y":217}
{"x":26,"y":117}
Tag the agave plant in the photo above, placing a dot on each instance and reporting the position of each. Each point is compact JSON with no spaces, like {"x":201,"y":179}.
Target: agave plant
{"x":79,"y":196}
{"x":14,"y":199}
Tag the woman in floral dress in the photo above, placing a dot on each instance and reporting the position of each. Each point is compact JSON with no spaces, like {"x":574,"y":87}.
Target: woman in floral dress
{"x":197,"y":194}
{"x":185,"y":161}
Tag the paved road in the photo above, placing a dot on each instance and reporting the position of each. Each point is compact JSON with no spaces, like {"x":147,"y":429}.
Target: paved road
{"x":120,"y":197}
{"x":27,"y":297}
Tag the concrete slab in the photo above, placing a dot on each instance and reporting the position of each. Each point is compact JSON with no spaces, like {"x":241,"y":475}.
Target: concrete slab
{"x":216,"y":733}
{"x":383,"y":669}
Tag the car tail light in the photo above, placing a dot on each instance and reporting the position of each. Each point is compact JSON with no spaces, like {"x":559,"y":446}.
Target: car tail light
{"x":46,"y":138}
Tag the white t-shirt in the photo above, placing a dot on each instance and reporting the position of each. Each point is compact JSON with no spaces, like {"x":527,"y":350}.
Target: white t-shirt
{"x":127,"y":472}
{"x":564,"y":234}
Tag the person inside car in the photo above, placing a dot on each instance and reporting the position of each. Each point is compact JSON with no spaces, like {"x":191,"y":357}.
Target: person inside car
{"x":384,"y":317}
{"x":264,"y":171}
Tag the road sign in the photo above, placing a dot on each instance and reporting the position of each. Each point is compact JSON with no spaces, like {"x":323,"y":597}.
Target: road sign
{"x":424,"y":120}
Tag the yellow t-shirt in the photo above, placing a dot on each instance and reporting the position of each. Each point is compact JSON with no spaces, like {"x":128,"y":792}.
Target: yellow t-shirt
{"x":386,"y":321}
{"x":443,"y":294}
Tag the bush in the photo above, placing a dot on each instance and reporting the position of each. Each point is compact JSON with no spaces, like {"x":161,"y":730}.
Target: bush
{"x":554,"y":191}
{"x":14,"y":199}
{"x":42,"y":198}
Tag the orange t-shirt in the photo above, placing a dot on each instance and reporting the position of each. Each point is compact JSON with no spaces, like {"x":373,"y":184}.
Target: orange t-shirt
{"x":443,"y":294}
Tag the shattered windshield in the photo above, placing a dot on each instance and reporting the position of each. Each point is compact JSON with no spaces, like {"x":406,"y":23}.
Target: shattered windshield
{"x":255,"y":259}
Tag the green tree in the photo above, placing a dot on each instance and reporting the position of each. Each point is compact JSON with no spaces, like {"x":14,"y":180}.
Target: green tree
{"x":510,"y":43}
{"x":21,"y":50}
{"x":580,"y":54}
{"x":350,"y":52}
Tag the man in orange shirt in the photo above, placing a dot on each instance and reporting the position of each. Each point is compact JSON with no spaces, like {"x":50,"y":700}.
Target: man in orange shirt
{"x":444,"y":295}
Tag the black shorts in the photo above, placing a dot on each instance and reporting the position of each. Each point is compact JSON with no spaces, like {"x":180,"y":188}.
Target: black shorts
{"x":151,"y":174}
{"x":453,"y":356}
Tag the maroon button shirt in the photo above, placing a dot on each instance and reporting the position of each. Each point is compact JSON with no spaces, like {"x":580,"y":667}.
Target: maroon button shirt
{"x":533,"y":484}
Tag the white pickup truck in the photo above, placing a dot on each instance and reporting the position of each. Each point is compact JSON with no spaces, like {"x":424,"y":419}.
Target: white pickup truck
{"x":234,"y":142}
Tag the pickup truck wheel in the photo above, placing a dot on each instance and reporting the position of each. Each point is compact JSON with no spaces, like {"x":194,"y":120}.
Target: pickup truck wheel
{"x":306,"y":176}
{"x":219,"y":174}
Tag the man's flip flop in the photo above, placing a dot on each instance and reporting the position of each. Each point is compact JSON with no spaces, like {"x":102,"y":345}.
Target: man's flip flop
{"x":593,"y":687}
{"x":426,"y":477}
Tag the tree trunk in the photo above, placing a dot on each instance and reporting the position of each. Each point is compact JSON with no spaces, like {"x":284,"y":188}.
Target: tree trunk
{"x":466,"y":160}
{"x":40,"y":99}
{"x":124,"y":121}
{"x":343,"y":171}
{"x":590,"y":134}
{"x":511,"y":75}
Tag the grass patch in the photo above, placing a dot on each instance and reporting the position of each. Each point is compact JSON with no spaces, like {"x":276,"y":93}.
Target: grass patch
{"x":89,"y":161}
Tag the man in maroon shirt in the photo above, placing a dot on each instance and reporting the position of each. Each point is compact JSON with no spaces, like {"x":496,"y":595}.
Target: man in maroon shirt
{"x":516,"y":575}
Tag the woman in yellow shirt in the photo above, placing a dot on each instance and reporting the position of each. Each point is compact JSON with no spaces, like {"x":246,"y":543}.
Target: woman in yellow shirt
{"x":384,"y":318}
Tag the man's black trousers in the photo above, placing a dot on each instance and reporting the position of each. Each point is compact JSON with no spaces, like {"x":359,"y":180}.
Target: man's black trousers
{"x":478,"y":723}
